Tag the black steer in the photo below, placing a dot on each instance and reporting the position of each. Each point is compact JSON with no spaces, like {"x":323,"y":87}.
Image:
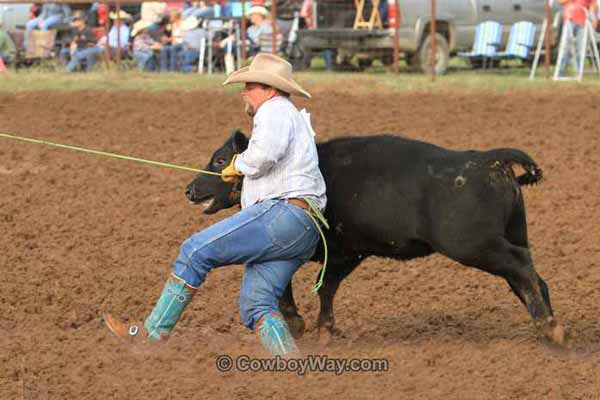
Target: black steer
{"x":395,"y":197}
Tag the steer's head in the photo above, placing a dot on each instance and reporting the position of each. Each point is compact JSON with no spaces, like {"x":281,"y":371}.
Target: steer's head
{"x":210,"y":190}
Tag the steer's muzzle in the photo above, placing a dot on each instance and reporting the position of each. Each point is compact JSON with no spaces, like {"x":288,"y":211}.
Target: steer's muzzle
{"x":189,"y":192}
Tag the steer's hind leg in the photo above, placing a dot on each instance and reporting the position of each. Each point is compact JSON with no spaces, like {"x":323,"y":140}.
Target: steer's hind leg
{"x":288,"y":308}
{"x":338,"y":268}
{"x":500,"y":257}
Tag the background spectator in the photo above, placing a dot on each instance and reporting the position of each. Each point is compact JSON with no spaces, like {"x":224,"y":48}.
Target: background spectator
{"x":260,"y":33}
{"x":192,"y":38}
{"x":574,"y":17}
{"x":83,"y":47}
{"x":121,"y":32}
{"x":172,"y":42}
{"x":52,"y":14}
{"x":8,"y":51}
{"x":144,"y":46}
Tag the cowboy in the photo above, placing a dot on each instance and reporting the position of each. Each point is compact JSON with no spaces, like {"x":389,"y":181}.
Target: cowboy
{"x":144,"y":46}
{"x":119,"y":33}
{"x":272,"y":234}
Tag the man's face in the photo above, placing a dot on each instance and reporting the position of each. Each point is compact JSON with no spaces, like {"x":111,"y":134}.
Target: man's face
{"x":254,"y":95}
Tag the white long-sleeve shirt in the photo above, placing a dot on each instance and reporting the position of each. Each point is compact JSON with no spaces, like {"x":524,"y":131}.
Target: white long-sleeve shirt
{"x":281,"y":161}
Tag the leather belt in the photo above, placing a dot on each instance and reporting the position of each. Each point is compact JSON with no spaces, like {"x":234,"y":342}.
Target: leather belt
{"x":299,"y":202}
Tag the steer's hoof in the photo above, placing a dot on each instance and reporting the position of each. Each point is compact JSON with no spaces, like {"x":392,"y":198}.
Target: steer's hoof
{"x":326,"y":333}
{"x":555,"y":333}
{"x":325,"y":337}
{"x":296,"y":325}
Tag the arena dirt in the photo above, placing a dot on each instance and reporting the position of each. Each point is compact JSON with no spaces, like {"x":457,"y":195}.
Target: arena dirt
{"x":82,"y":235}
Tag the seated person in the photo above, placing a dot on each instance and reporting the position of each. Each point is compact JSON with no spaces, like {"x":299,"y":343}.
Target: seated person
{"x":172,"y":42}
{"x":144,"y":46}
{"x":122,"y":32}
{"x":83,"y":47}
{"x":52,"y":14}
{"x":260,"y":33}
{"x":8,"y":51}
{"x":192,"y":39}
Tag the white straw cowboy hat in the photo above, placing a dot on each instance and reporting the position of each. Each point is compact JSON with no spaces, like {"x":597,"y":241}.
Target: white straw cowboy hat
{"x":189,"y":23}
{"x":140,"y":26}
{"x":258,"y":10}
{"x":269,"y":70}
{"x":123,"y":15}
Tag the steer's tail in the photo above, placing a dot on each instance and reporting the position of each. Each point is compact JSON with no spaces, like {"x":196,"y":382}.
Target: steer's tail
{"x":509,"y":157}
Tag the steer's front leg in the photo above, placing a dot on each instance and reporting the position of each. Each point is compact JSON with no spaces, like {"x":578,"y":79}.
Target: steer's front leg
{"x":288,"y":308}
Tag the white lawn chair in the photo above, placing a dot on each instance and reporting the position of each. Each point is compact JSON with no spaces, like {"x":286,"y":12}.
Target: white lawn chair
{"x":520,"y":41}
{"x":488,"y":38}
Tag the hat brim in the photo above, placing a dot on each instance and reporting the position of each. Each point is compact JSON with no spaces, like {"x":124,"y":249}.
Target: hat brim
{"x":137,"y":29}
{"x":245,"y":75}
{"x":123,"y":17}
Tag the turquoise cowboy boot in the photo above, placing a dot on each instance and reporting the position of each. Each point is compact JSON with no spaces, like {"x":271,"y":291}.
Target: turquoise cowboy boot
{"x":275,"y":335}
{"x":159,"y":324}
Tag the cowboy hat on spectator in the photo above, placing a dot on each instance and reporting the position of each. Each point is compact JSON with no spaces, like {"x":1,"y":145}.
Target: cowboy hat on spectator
{"x":123,"y":15}
{"x":258,"y":10}
{"x":140,"y":26}
{"x":189,"y":23}
{"x":269,"y":70}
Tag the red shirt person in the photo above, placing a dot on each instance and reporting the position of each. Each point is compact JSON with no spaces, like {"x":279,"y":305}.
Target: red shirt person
{"x":575,"y":10}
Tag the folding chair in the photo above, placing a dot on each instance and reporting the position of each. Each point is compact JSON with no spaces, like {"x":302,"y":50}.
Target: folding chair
{"x":374,"y":19}
{"x":520,"y":41}
{"x":41,"y":44}
{"x":488,"y":38}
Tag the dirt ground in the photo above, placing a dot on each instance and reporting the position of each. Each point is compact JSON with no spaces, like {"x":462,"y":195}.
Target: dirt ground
{"x":82,"y":235}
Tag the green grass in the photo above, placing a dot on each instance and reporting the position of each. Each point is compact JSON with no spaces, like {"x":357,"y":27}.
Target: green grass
{"x":459,"y":78}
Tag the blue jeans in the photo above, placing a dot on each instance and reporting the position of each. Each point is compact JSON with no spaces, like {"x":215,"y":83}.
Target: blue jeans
{"x":33,"y":24}
{"x":145,"y":60}
{"x":577,"y":32}
{"x":273,"y":238}
{"x":190,"y":60}
{"x":168,"y":57}
{"x":89,"y":55}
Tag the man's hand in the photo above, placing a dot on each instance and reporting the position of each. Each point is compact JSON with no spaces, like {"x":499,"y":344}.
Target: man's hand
{"x":230,"y":174}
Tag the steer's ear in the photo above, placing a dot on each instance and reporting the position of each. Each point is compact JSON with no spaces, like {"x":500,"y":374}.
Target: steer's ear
{"x":239,"y":141}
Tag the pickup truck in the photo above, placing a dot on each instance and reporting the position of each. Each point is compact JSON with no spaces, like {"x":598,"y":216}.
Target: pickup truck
{"x":14,"y":15}
{"x":456,"y":21}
